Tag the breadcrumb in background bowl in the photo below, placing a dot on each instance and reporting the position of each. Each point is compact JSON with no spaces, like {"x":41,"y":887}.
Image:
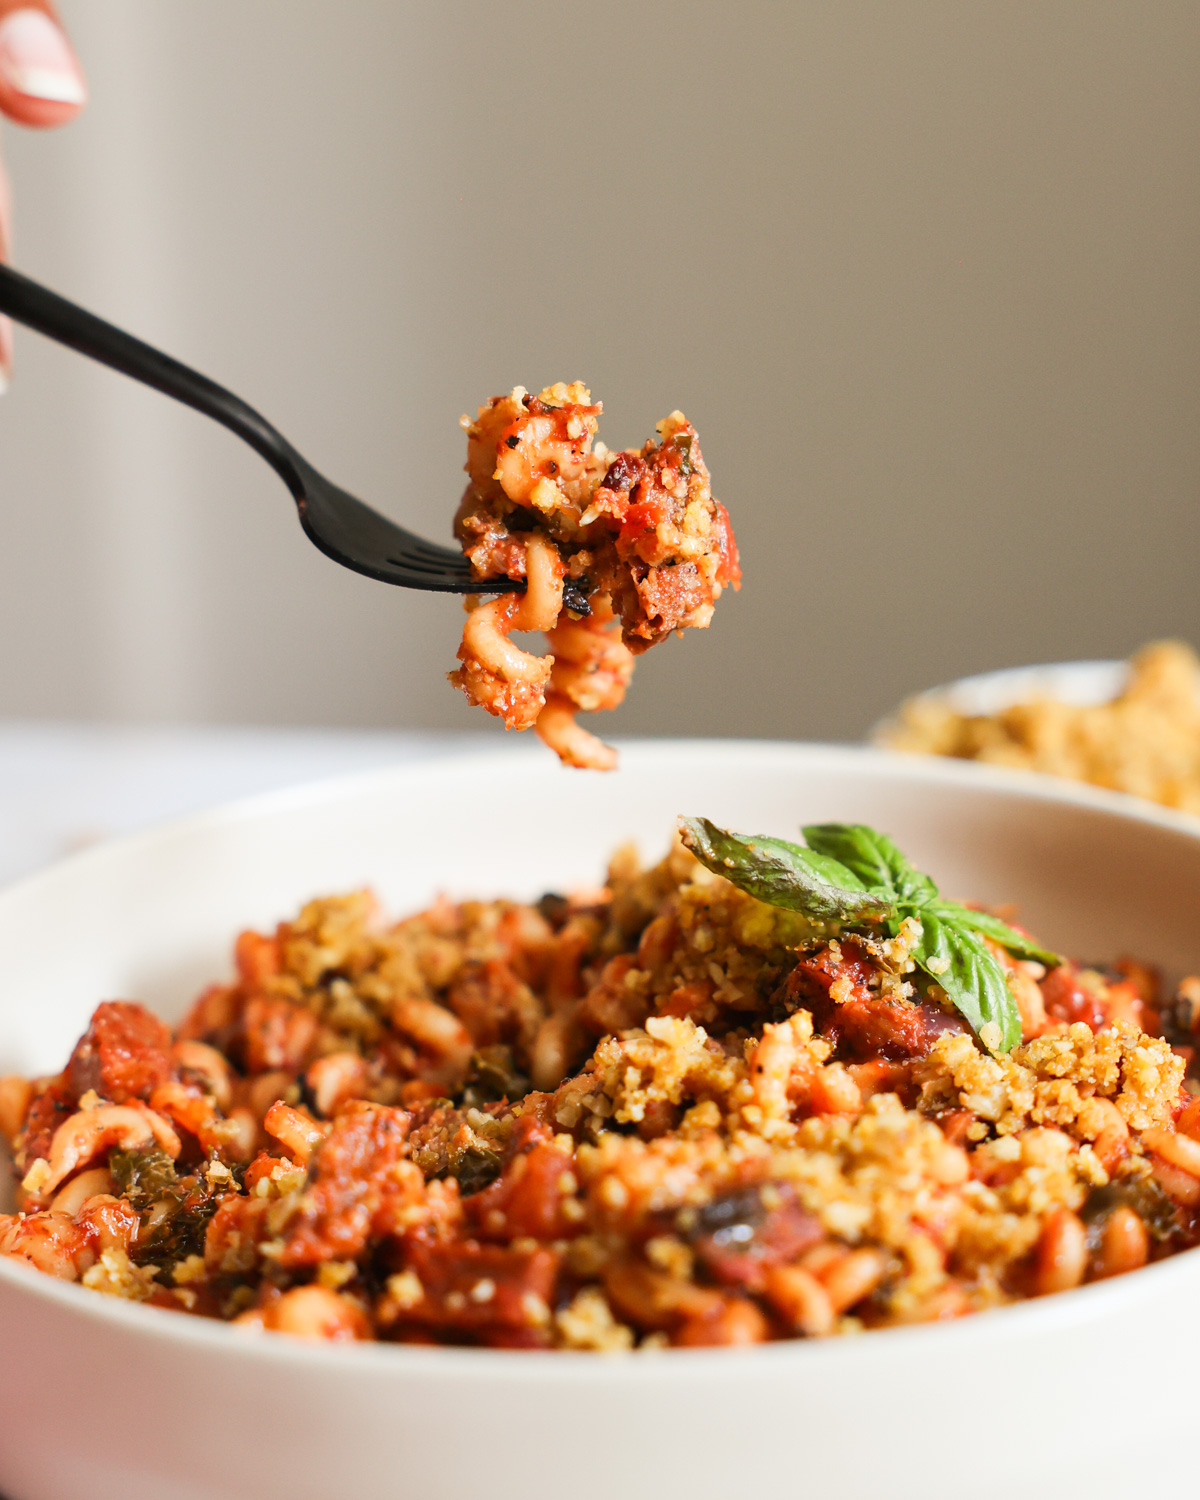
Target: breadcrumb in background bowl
{"x":108,"y":1398}
{"x":1129,"y":726}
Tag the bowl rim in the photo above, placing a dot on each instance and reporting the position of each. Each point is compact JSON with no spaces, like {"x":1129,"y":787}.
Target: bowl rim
{"x":163,"y":1326}
{"x":1015,"y":1321}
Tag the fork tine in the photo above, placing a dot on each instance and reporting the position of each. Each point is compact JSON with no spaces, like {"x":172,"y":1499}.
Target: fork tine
{"x":443,"y":555}
{"x":418,"y":564}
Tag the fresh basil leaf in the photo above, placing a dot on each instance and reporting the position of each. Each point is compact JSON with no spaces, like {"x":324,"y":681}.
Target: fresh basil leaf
{"x":1000,"y":932}
{"x":874,"y":858}
{"x":783,"y":874}
{"x":957,"y":960}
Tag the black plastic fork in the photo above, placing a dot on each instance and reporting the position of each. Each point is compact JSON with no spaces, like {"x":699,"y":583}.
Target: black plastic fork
{"x":341,"y":526}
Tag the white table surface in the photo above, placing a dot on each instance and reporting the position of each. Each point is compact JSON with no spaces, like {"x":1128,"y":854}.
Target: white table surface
{"x":63,"y":786}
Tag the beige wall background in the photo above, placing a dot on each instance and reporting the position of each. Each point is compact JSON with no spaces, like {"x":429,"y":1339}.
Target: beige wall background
{"x":925,"y":275}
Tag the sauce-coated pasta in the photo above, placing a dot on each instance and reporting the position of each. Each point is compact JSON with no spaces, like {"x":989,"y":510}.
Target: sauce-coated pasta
{"x":618,"y":550}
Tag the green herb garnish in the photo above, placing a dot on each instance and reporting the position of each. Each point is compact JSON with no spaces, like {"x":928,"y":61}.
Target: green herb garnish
{"x":182,"y":1205}
{"x":783,"y":874}
{"x":144,"y":1177}
{"x":857,"y":878}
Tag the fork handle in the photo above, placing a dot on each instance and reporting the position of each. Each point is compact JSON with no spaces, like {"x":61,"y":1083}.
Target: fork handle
{"x":37,"y":307}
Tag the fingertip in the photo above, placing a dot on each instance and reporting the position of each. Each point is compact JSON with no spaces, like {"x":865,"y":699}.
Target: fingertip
{"x":41,"y":82}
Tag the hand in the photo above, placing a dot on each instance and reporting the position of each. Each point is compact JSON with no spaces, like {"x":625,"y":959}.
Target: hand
{"x":41,"y":83}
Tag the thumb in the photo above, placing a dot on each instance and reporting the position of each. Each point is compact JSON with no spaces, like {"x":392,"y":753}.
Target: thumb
{"x":41,"y":82}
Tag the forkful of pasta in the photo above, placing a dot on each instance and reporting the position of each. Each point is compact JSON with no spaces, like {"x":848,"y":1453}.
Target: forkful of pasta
{"x":607,"y":553}
{"x":617,"y":550}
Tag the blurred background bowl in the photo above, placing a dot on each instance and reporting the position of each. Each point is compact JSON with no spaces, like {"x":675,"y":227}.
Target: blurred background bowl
{"x":1082,"y":684}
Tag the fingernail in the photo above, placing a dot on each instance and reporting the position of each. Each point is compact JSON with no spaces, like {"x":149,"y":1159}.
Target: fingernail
{"x":36,"y":60}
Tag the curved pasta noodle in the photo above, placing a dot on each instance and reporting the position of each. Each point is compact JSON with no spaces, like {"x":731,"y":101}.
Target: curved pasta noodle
{"x":187,"y":1108}
{"x":589,"y":667}
{"x":571,"y":742}
{"x":438,"y":1032}
{"x":89,"y":1132}
{"x":296,"y":1132}
{"x":310,"y":1312}
{"x":70,"y":1199}
{"x":592,"y":665}
{"x":15,"y":1094}
{"x":592,"y":669}
{"x":52,"y":1242}
{"x":111,"y":1223}
{"x":336,"y":1077}
{"x":495,"y":673}
{"x":205,"y":1062}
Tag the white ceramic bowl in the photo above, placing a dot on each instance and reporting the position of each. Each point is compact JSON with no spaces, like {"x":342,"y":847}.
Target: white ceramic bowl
{"x":1079,"y":683}
{"x":1091,"y":1392}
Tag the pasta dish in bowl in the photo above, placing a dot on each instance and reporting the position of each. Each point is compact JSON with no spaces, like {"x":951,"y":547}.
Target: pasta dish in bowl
{"x":788,"y":1093}
{"x":763,"y":1093}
